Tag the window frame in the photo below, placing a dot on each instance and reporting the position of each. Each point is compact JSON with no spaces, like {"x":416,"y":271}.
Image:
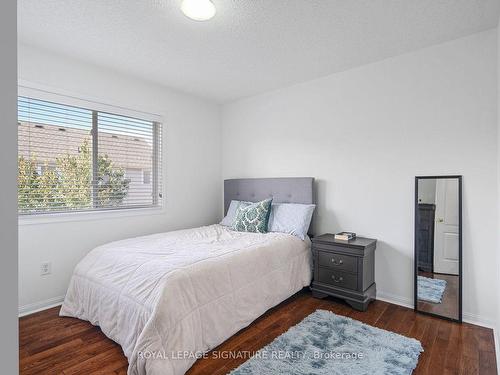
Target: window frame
{"x":41,"y":92}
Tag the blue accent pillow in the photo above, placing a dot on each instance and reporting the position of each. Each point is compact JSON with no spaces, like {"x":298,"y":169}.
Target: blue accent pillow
{"x":291,"y":218}
{"x":253,"y":217}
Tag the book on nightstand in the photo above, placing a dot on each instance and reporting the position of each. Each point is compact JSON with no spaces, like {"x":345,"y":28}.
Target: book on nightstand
{"x":345,"y":236}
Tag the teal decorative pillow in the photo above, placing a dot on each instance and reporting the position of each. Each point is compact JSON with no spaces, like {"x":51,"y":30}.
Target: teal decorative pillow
{"x":253,"y":217}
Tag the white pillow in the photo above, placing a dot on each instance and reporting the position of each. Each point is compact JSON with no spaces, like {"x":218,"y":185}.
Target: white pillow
{"x":231,"y":213}
{"x":291,"y":218}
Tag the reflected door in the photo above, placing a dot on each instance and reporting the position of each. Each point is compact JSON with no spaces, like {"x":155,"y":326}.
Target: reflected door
{"x":446,"y":229}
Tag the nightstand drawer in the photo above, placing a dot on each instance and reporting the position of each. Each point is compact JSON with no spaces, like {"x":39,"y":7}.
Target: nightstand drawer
{"x":338,"y":279}
{"x":338,"y":261}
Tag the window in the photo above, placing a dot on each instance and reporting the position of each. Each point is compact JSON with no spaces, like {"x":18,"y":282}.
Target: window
{"x":77,"y":159}
{"x":146,"y":177}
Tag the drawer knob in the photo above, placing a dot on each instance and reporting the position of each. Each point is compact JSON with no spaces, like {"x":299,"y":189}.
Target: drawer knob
{"x":337,"y":280}
{"x":337,"y":263}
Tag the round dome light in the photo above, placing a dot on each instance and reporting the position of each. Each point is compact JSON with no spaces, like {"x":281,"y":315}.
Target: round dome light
{"x":198,"y":10}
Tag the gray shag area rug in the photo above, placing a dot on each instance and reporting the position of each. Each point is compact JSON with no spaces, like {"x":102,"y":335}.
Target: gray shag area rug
{"x":430,"y":290}
{"x":326,"y":343}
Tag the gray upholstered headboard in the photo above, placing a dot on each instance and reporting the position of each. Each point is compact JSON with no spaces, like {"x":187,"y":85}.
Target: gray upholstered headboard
{"x":283,"y":190}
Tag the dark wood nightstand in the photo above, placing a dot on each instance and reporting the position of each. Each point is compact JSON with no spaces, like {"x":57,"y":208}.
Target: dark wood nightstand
{"x":344,"y":269}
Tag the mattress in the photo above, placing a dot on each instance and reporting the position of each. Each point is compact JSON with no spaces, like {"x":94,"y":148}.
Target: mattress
{"x":169,"y":297}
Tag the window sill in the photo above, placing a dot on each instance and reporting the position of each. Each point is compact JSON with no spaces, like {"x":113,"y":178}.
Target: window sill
{"x":88,"y":216}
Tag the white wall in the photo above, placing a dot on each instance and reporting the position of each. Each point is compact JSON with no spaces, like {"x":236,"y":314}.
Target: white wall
{"x":192,"y":172}
{"x":365,"y":133}
{"x":497,"y":284}
{"x":8,"y":195}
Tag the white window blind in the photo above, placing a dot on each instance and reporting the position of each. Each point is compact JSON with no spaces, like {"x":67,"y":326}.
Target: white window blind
{"x":77,"y":159}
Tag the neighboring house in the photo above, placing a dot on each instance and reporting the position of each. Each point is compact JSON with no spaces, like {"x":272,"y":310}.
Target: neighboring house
{"x":134,"y":154}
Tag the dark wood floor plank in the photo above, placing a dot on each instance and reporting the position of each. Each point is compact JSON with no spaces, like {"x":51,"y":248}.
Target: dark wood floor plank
{"x":438,"y":350}
{"x":377,"y":308}
{"x":453,"y":350}
{"x":387,"y":316}
{"x":94,"y":363}
{"x":50,"y":344}
{"x":487,"y":363}
{"x":122,"y":370}
{"x":428,"y":339}
{"x":419,"y":327}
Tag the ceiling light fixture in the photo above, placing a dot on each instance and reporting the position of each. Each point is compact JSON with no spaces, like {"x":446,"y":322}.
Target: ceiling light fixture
{"x":198,"y":10}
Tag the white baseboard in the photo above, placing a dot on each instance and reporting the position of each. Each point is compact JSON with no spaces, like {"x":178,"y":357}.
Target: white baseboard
{"x":478,"y":320}
{"x":40,"y":306}
{"x":497,"y":349}
{"x":394,"y":299}
{"x":407,"y":302}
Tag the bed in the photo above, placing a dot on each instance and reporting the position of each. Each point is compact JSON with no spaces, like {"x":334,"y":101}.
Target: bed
{"x":170,"y":297}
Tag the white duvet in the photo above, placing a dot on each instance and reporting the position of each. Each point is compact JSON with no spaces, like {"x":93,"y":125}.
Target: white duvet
{"x":184,"y":291}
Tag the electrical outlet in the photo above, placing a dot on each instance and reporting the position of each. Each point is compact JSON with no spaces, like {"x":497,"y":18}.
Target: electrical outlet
{"x":45,"y":268}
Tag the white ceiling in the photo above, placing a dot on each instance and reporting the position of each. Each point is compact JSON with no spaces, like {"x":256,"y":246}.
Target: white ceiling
{"x":250,"y":46}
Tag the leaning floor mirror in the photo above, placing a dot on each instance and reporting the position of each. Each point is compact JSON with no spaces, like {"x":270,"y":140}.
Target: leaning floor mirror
{"x":438,"y":246}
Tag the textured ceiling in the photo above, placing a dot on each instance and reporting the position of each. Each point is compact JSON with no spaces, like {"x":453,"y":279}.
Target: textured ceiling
{"x":250,"y":46}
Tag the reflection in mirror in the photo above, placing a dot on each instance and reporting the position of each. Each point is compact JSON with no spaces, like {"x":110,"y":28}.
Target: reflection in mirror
{"x":437,"y":246}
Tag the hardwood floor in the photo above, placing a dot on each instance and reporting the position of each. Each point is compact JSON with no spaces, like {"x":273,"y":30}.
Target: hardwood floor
{"x":50,"y":344}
